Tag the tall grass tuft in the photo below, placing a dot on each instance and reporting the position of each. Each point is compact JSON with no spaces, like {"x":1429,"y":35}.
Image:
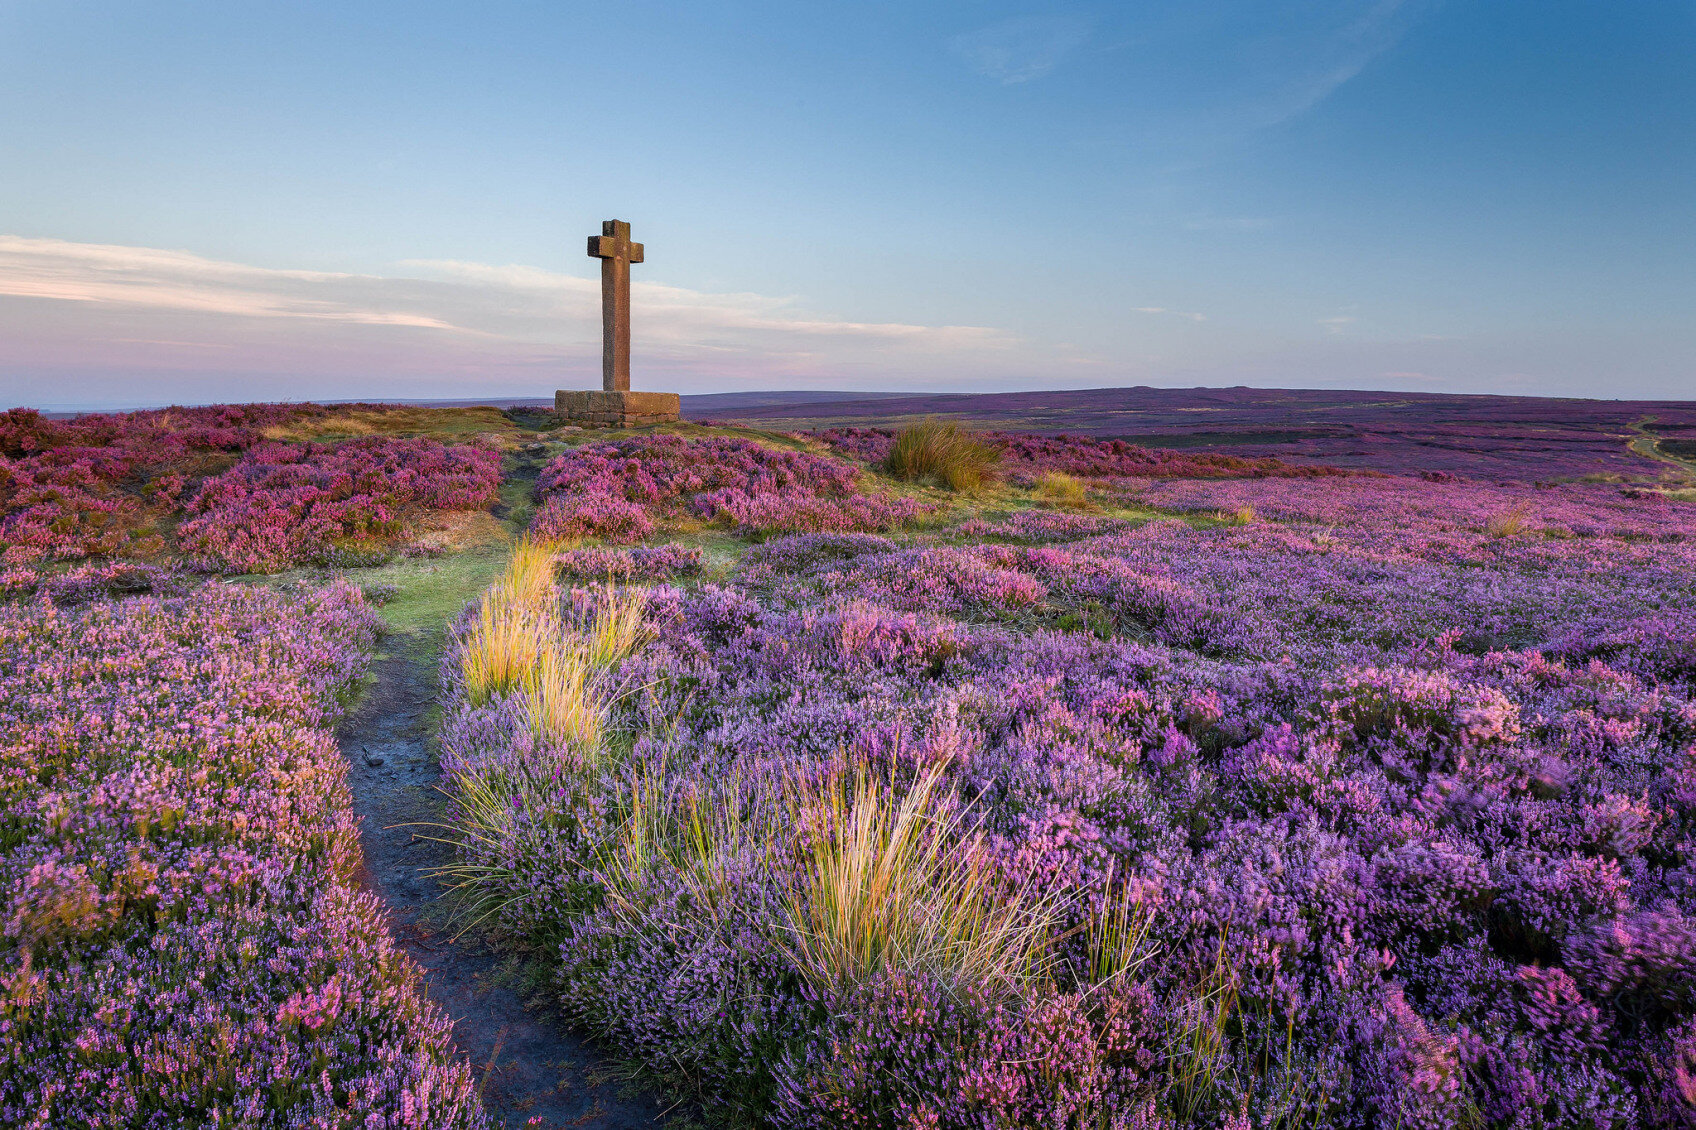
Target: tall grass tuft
{"x":885,"y":884}
{"x":1241,"y":516}
{"x":1195,"y":1058}
{"x":566,"y":669}
{"x":1507,"y":525}
{"x":503,"y":651}
{"x":617,"y":629}
{"x":942,"y":451}
{"x":692,"y":830}
{"x":1117,"y":934}
{"x":563,"y":702}
{"x":515,"y":627}
{"x":528,"y":582}
{"x":483,"y":879}
{"x":1056,"y":488}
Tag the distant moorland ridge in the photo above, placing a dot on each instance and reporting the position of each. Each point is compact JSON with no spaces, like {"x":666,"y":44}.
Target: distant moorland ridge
{"x":1516,"y":437}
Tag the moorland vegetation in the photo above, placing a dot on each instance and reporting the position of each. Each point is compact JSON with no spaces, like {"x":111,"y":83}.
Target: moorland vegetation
{"x":1117,"y":788}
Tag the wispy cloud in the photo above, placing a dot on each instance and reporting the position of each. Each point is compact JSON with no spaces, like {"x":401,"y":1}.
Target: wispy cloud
{"x":176,"y":280}
{"x":1020,"y":49}
{"x":1208,"y":72}
{"x":679,"y":316}
{"x":1337,"y":324}
{"x":81,"y":305}
{"x":1191,"y":315}
{"x":1300,"y":64}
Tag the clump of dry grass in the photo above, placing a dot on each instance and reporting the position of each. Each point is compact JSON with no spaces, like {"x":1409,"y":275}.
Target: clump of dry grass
{"x":1196,"y":1059}
{"x":561,"y":701}
{"x":1056,"y":488}
{"x":884,"y":883}
{"x":521,"y":642}
{"x":943,"y":452}
{"x":503,"y":651}
{"x":565,"y":667}
{"x":1241,"y":516}
{"x":617,"y":629}
{"x":528,"y":582}
{"x":515,"y":627}
{"x":573,"y":694}
{"x":1507,"y":525}
{"x":692,"y":829}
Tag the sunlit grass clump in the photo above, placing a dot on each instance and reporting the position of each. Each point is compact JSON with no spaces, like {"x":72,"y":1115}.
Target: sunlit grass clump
{"x":521,"y":641}
{"x":562,"y":704}
{"x":528,"y":582}
{"x":565,"y":667}
{"x":943,"y":452}
{"x":886,"y":884}
{"x":1056,"y":488}
{"x":1512,"y":523}
{"x":503,"y":652}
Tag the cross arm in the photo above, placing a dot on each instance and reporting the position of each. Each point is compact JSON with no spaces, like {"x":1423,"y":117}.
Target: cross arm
{"x":608,"y":247}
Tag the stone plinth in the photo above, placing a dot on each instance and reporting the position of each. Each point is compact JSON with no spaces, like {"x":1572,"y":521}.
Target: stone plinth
{"x":618,"y":409}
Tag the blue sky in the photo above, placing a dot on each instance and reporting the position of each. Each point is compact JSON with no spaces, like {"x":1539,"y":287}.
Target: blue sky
{"x":215,"y":201}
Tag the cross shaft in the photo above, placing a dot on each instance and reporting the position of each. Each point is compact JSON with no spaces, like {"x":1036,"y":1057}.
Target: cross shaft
{"x":616,"y":252}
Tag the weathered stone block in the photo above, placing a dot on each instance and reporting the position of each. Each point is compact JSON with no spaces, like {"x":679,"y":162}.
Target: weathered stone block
{"x":618,"y":409}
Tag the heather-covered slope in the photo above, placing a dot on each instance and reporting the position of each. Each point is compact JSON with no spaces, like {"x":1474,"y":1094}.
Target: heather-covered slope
{"x":214,"y":488}
{"x":1337,"y":801}
{"x":183,"y":941}
{"x":1132,"y":787}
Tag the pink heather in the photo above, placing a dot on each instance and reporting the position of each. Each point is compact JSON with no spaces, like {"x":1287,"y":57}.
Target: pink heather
{"x":182,"y":941}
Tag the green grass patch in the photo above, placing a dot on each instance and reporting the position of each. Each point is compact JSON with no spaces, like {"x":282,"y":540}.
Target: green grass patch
{"x":431,"y":592}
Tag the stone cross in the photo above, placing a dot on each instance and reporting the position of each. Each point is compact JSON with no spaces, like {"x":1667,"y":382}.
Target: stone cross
{"x":616,"y":252}
{"x":614,"y":405}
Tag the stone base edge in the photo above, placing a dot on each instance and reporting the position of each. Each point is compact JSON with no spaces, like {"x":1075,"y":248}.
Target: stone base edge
{"x":618,"y":409}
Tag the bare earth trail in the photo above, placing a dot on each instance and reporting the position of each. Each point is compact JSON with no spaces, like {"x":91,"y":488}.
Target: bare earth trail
{"x":1648,"y":444}
{"x":526,"y":1066}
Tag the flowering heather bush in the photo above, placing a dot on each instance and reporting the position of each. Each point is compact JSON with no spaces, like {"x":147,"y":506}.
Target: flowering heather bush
{"x":666,"y":469}
{"x":105,"y":484}
{"x":802,"y":513}
{"x":1025,"y":455}
{"x":1266,"y":591}
{"x":1351,"y":816}
{"x":641,"y":563}
{"x":84,"y":583}
{"x":89,"y":485}
{"x":790,"y":554}
{"x":1433,"y":511}
{"x":620,"y":490}
{"x":1040,"y":526}
{"x":183,"y":942}
{"x":564,"y":517}
{"x":284,"y":504}
{"x":869,"y":445}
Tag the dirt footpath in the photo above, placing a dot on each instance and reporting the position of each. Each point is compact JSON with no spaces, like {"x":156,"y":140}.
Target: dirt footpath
{"x":531,"y":1073}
